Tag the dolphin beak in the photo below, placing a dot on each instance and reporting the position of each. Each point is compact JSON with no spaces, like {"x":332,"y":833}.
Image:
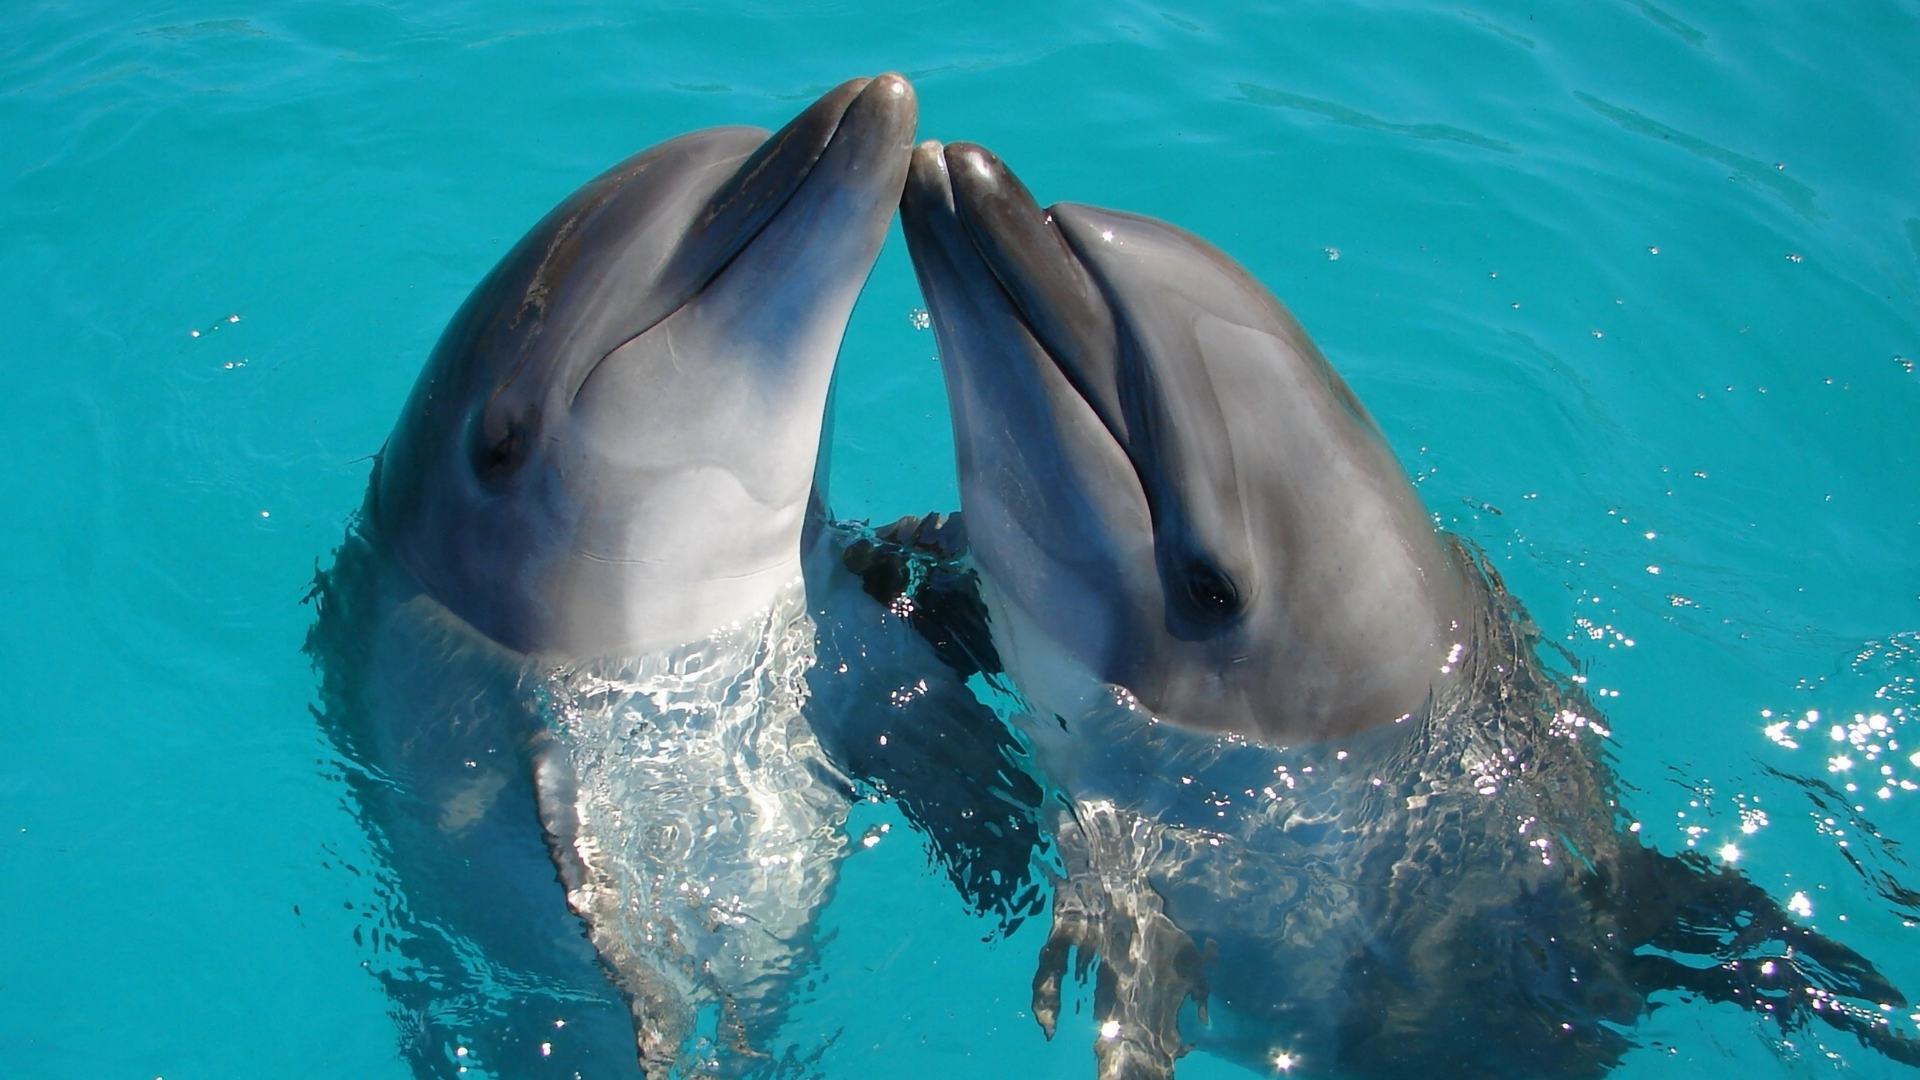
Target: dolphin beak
{"x":771,"y":174}
{"x":855,"y":132}
{"x":943,"y":255}
{"x":1026,"y":253}
{"x":881,"y":117}
{"x":868,"y":116}
{"x":975,"y":225}
{"x":1057,"y":299}
{"x":968,"y":213}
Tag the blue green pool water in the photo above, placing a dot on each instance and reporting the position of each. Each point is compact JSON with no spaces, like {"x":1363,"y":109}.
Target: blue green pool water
{"x":1633,"y":288}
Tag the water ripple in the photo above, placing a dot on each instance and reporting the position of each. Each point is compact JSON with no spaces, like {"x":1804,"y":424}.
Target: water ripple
{"x":1255,"y":94}
{"x":1770,"y":178}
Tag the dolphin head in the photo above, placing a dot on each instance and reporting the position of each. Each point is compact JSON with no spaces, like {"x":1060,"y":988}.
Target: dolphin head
{"x":612,"y":447}
{"x":1166,"y":486}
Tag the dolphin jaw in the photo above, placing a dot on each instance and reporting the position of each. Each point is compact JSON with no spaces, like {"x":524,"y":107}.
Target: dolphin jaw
{"x":890,"y":89}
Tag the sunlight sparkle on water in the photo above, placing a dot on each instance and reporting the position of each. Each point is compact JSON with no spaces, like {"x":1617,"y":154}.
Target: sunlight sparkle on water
{"x":1283,"y":1061}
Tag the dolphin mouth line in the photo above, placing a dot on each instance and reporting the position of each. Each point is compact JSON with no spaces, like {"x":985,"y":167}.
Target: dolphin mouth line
{"x":1075,"y":380}
{"x":740,"y":185}
{"x":1022,"y":312}
{"x":969,"y":226}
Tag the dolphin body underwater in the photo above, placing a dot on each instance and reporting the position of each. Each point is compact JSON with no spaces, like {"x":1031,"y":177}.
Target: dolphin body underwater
{"x":1309,"y":773}
{"x":590,"y":617}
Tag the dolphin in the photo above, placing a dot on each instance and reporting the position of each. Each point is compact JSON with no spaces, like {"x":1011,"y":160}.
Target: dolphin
{"x":1315,"y":796}
{"x":569,"y":630}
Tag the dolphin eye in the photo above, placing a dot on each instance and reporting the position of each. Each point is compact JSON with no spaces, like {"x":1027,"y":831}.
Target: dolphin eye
{"x":497,"y":459}
{"x":1212,"y":593}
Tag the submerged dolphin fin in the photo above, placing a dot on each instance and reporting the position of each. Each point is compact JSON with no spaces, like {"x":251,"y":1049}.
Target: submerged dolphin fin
{"x":921,"y":558}
{"x":951,"y":765}
{"x":1149,"y":967}
{"x":594,"y":896}
{"x":1712,"y":932}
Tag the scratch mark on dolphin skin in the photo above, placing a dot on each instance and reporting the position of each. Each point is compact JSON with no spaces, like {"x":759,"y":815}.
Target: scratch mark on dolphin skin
{"x":1255,"y":94}
{"x":633,"y":560}
{"x":743,"y":183}
{"x":617,"y":560}
{"x":551,"y":265}
{"x":561,"y":254}
{"x":673,"y":350}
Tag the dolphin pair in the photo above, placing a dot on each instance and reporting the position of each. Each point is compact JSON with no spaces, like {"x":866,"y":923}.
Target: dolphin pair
{"x":1309,"y":769}
{"x":586,"y":590}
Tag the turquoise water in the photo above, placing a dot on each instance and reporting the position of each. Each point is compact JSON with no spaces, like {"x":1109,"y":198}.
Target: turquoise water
{"x":1634,"y":290}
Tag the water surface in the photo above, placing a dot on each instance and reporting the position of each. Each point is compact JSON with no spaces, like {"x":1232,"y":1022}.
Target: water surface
{"x":1634,"y":289}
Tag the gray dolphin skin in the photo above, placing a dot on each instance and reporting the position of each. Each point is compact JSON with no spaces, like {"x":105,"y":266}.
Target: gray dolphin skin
{"x":612,"y":447}
{"x":1135,"y":502}
{"x":569,"y":630}
{"x":1316,"y":799}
